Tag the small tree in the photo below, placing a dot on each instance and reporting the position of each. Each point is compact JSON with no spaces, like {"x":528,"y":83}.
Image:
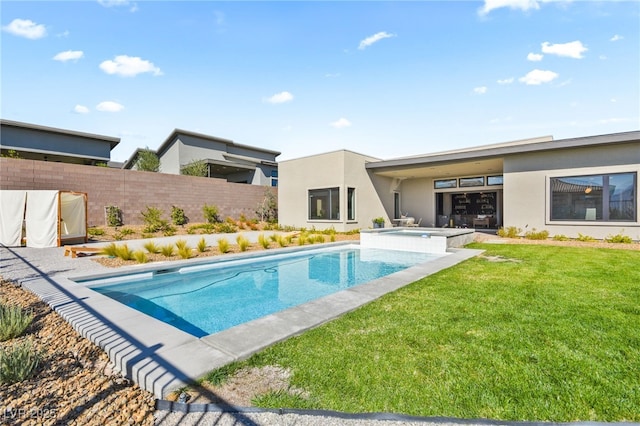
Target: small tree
{"x":147,"y":161}
{"x":210,"y":213}
{"x":11,"y":153}
{"x":195,"y":168}
{"x":177,"y":216}
{"x":152,"y":218}
{"x":268,"y":207}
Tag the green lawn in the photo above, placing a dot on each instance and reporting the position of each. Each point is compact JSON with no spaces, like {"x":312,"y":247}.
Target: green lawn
{"x":554,"y":336}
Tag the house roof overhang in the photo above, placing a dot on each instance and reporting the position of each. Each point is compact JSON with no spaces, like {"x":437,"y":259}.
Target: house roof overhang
{"x":113,"y":142}
{"x":177,"y":132}
{"x":487,"y":159}
{"x":224,"y":168}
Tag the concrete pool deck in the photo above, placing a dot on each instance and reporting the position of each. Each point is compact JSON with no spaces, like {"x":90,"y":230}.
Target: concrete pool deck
{"x":159,"y":357}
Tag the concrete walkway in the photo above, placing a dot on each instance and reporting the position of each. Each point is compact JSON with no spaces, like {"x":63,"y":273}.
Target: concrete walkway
{"x":159,"y":357}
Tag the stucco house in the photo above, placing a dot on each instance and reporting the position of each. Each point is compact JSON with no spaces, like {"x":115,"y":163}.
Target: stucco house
{"x":586,"y":185}
{"x":35,"y":142}
{"x":225,"y":159}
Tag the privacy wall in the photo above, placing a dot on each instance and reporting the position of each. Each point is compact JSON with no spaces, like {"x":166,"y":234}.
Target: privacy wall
{"x":132,"y":191}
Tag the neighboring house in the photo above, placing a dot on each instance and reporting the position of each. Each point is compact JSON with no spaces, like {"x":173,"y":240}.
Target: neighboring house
{"x":586,"y":185}
{"x":34,"y":142}
{"x":225,"y":159}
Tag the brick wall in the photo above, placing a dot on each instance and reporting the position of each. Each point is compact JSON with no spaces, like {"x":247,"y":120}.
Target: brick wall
{"x":132,"y":191}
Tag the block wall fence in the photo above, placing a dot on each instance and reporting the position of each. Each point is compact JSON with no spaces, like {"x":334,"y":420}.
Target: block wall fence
{"x":132,"y":191}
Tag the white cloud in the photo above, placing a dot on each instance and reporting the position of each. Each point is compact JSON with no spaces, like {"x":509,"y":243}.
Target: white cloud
{"x":374,"y":38}
{"x":616,"y":38}
{"x":573,"y":49}
{"x":81,"y":109}
{"x":340,"y":123}
{"x":279,"y":98}
{"x":537,"y":77}
{"x":109,"y":106}
{"x":26,"y":28}
{"x":535,"y":57}
{"x":480,"y":90}
{"x":133,"y":7}
{"x":129,"y":66}
{"x":506,"y":81}
{"x":523,"y":5}
{"x":69,"y":55}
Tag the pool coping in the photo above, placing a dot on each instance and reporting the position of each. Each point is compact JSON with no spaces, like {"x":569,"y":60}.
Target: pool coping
{"x":161,"y":358}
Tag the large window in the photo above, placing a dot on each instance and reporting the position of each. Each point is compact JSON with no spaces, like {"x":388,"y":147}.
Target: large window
{"x":609,"y":197}
{"x":324,"y":204}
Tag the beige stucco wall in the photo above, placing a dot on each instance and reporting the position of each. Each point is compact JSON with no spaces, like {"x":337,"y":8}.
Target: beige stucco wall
{"x":343,"y":169}
{"x":526,"y":192}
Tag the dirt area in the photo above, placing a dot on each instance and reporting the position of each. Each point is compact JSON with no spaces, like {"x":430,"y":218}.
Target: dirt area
{"x":75,"y":383}
{"x":484,"y":237}
{"x":135,"y":232}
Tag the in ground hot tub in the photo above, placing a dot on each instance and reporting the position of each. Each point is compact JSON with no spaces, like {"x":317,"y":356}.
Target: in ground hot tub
{"x":424,"y":240}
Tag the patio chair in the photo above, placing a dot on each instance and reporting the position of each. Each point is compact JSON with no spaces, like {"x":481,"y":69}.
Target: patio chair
{"x":415,"y":224}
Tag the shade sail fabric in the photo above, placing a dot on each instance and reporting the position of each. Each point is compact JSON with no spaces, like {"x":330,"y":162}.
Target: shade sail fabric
{"x":73,"y":215}
{"x":12,"y":206}
{"x":42,"y":219}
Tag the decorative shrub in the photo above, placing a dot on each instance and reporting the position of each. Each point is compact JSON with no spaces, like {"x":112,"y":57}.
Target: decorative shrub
{"x":110,"y":250}
{"x":167,"y":250}
{"x":124,"y":252}
{"x":586,"y":238}
{"x":536,"y":235}
{"x":95,"y":232}
{"x":152,"y":247}
{"x":169,"y":231}
{"x":140,"y":256}
{"x":113,"y":216}
{"x":18,"y":361}
{"x":206,"y":228}
{"x":283,"y":241}
{"x":560,"y":237}
{"x":618,"y":238}
{"x":152,"y":218}
{"x":226,"y":228}
{"x":13,"y":321}
{"x":127,"y":231}
{"x":185,"y":252}
{"x":264,"y":241}
{"x":319,"y":238}
{"x":202,"y":245}
{"x":177,"y":216}
{"x":210,"y":213}
{"x":509,"y":232}
{"x":243,"y":242}
{"x":223,"y":245}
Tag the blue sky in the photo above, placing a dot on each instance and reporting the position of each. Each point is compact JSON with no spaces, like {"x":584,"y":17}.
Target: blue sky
{"x":388,"y":79}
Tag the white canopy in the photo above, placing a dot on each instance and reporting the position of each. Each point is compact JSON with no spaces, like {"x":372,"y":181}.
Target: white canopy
{"x":47,"y":218}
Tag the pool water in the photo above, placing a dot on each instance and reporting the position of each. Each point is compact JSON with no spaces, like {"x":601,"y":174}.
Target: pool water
{"x":209,"y":298}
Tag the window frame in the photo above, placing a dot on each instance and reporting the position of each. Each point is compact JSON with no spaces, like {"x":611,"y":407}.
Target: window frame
{"x":330,"y":208}
{"x":604,"y":209}
{"x":470,"y":182}
{"x":445,"y":183}
{"x":351,"y":204}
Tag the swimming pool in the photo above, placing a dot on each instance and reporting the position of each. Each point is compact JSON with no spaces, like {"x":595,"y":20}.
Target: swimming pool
{"x":208,"y":298}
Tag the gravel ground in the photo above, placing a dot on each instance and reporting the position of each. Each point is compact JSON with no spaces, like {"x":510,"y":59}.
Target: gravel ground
{"x":74,"y":384}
